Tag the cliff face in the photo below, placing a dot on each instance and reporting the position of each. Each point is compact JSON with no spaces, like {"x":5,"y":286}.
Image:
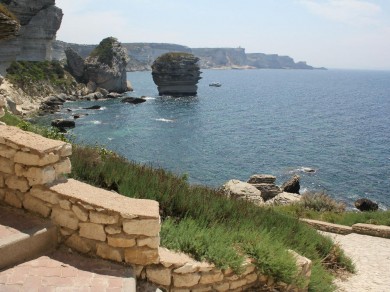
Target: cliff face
{"x":39,"y":20}
{"x":142,"y":56}
{"x":9,"y":25}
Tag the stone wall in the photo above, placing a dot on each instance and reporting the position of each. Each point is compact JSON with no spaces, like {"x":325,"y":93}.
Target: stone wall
{"x":101,"y":223}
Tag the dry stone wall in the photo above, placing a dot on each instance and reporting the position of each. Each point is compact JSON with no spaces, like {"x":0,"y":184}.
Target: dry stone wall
{"x":101,"y":223}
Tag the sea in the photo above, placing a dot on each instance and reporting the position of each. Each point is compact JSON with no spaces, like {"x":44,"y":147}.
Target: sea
{"x":281,"y":122}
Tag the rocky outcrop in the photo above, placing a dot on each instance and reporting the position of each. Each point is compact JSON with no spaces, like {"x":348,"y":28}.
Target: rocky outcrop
{"x":274,"y":61}
{"x":364,"y":205}
{"x":292,"y":185}
{"x":39,"y":20}
{"x":2,"y":105}
{"x":240,"y":190}
{"x":106,"y":66}
{"x":284,"y":199}
{"x":176,"y":74}
{"x":266,"y":184}
{"x":75,"y":64}
{"x":221,"y":57}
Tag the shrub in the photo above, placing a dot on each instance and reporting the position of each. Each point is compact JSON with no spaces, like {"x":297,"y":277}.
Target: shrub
{"x":321,"y":202}
{"x":104,"y":51}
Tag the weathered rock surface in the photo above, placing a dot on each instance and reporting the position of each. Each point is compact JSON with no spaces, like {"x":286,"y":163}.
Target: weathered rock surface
{"x":284,"y":199}
{"x":292,"y":185}
{"x":75,"y":64}
{"x":266,"y":184}
{"x":262,"y":179}
{"x":39,"y":20}
{"x":240,"y":190}
{"x":364,"y":205}
{"x":63,"y":123}
{"x":176,"y":74}
{"x":8,"y":27}
{"x":106,"y":66}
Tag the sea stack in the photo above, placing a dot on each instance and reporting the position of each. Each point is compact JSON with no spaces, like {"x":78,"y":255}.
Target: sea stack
{"x":176,"y":74}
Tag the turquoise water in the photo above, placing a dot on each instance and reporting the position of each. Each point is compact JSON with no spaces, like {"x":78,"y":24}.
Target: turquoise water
{"x":260,"y":121}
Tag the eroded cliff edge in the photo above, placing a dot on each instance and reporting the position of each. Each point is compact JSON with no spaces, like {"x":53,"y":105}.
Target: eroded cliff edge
{"x":39,"y":21}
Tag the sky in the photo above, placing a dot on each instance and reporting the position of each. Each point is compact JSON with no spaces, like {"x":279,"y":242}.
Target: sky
{"x":346,"y":34}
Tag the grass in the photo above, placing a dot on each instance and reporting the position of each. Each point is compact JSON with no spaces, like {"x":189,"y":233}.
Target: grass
{"x":33,"y":77}
{"x":202,"y":222}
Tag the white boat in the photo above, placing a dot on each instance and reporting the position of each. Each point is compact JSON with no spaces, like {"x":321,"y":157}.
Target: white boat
{"x":215,"y":84}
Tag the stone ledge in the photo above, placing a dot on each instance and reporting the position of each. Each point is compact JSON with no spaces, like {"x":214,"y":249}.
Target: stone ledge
{"x":373,"y":230}
{"x":329,"y":227}
{"x":29,"y":140}
{"x":99,"y":198}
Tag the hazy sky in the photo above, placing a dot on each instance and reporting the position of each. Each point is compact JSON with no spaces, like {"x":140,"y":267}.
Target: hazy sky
{"x":331,"y":33}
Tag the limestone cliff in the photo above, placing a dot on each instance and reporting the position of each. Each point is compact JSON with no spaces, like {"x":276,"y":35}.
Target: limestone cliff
{"x":106,"y":66}
{"x":9,"y":24}
{"x":39,"y":20}
{"x":176,"y":74}
{"x":142,"y":56}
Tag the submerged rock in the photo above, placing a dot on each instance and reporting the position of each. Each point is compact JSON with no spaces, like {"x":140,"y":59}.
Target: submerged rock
{"x":176,"y":74}
{"x":94,"y":107}
{"x":133,"y":100}
{"x":364,"y":205}
{"x":63,"y":124}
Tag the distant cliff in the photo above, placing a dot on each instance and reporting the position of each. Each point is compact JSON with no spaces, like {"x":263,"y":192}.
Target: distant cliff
{"x":142,"y":56}
{"x":39,"y":21}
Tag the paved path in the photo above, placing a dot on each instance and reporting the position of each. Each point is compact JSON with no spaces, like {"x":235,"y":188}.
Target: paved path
{"x":371,"y":256}
{"x":62,"y":271}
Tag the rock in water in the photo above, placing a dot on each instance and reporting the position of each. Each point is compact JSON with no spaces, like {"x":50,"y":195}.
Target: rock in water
{"x":106,"y":66}
{"x":63,"y":124}
{"x":240,"y":190}
{"x":364,"y":204}
{"x":176,"y":74}
{"x":292,"y":185}
{"x":133,"y":100}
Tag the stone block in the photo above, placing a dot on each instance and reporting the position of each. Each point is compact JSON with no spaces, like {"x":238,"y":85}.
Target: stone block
{"x":222,"y":287}
{"x":80,"y":213}
{"x":373,"y":230}
{"x":66,"y":205}
{"x":210,"y":278}
{"x":251,"y":278}
{"x":7,"y":152}
{"x":17,"y":183}
{"x":187,"y":268}
{"x":44,"y":194}
{"x":101,"y":218}
{"x":35,"y":205}
{"x":107,"y":252}
{"x":40,"y":176}
{"x":113,"y":229}
{"x":185,"y":280}
{"x":7,"y":166}
{"x":66,"y":150}
{"x":78,"y":243}
{"x":13,"y":198}
{"x":34,"y":159}
{"x":159,"y":275}
{"x":141,"y":256}
{"x":237,"y":284}
{"x":148,"y":227}
{"x":63,"y":167}
{"x":64,"y":218}
{"x":120,"y":241}
{"x":152,"y":242}
{"x":92,"y":231}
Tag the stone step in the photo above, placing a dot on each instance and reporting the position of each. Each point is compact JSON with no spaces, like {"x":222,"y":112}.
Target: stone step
{"x":64,"y":270}
{"x":24,"y":237}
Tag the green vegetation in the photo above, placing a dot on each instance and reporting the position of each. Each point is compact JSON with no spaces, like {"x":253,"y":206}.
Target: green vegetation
{"x":174,"y":56}
{"x":104,"y":51}
{"x":202,"y":222}
{"x":8,"y":13}
{"x":35,"y":76}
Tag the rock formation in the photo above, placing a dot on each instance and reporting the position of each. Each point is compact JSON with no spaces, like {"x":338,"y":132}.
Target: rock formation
{"x":364,"y":204}
{"x":284,"y":199}
{"x":176,"y":74}
{"x":2,"y":105}
{"x":106,"y":66}
{"x":240,"y":190}
{"x":292,"y":185}
{"x":9,"y":24}
{"x":39,"y":20}
{"x":75,"y":64}
{"x":266,"y":184}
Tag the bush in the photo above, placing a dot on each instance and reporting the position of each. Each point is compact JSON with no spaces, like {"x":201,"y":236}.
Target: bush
{"x":104,"y":51}
{"x":321,"y":202}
